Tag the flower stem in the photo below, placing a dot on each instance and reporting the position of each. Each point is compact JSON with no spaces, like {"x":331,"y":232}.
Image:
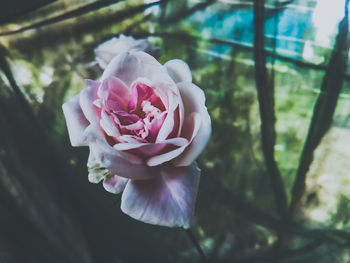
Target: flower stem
{"x":196,"y":245}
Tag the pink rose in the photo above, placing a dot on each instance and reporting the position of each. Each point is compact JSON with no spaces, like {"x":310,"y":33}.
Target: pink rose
{"x":145,"y":124}
{"x":117,"y":45}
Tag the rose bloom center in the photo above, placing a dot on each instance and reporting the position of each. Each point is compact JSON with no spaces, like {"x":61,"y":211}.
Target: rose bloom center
{"x":138,"y":119}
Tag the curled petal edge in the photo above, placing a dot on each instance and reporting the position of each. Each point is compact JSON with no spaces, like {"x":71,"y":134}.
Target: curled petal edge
{"x":167,"y":200}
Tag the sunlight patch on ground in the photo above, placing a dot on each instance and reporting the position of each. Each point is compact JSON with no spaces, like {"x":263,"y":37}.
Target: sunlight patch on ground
{"x":328,"y":178}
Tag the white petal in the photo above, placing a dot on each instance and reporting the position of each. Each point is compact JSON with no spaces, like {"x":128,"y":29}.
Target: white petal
{"x":194,"y":101}
{"x":75,"y":120}
{"x":118,"y":162}
{"x":178,"y":70}
{"x":129,"y":146}
{"x":167,"y":200}
{"x":191,"y":128}
{"x":129,"y":66}
{"x":115,"y":184}
{"x":108,"y":125}
{"x":168,"y":124}
{"x":87,"y":97}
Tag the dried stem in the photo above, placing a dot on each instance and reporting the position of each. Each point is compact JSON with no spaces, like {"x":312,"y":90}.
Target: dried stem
{"x":266,"y":105}
{"x":196,"y":245}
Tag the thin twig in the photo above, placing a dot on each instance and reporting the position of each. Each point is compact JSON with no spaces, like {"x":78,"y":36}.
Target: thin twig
{"x":196,"y":245}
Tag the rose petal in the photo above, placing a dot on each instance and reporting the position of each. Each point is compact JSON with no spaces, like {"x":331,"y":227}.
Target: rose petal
{"x":129,"y":146}
{"x":134,"y":126}
{"x":95,"y":137}
{"x":191,"y":128}
{"x":115,"y":184}
{"x":167,"y":200}
{"x":114,"y":93}
{"x":181,"y":117}
{"x":87,"y":97}
{"x":142,"y":91}
{"x":176,"y":131}
{"x":108,"y":125}
{"x":123,"y":118}
{"x":169,"y":122}
{"x":155,"y":125}
{"x":111,"y":48}
{"x":130,"y":66}
{"x":118,"y":162}
{"x":194,"y":101}
{"x":146,"y":150}
{"x":192,"y":125}
{"x":149,"y":148}
{"x":131,"y":139}
{"x":75,"y":120}
{"x":153,"y":70}
{"x":124,"y":66}
{"x":102,"y":58}
{"x":178,"y":70}
{"x":165,"y":157}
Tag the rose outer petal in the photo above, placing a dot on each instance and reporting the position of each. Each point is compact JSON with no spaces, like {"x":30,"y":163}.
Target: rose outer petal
{"x":169,"y":122}
{"x":114,"y":94}
{"x":115,"y":46}
{"x":150,"y":149}
{"x":130,"y":66}
{"x":76,"y":121}
{"x":118,"y":162}
{"x":87,"y":97}
{"x":192,"y":125}
{"x":167,"y":200}
{"x":194,"y":101}
{"x":178,"y":70}
{"x":108,"y":125}
{"x":115,"y":184}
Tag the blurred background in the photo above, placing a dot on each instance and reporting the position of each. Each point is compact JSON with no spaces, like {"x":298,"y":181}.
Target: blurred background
{"x":275,"y":183}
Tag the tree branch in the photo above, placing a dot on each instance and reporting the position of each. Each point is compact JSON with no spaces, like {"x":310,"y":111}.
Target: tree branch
{"x":70,"y":14}
{"x":324,"y":108}
{"x":266,"y":103}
